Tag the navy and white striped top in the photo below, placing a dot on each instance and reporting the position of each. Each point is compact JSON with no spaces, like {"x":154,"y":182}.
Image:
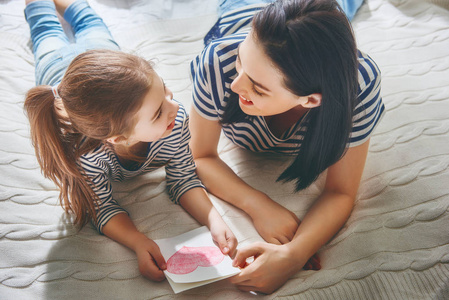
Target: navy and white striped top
{"x":102,"y":166}
{"x":214,"y":70}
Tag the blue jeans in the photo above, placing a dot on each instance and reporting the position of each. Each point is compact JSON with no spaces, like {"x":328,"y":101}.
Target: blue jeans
{"x":225,"y":6}
{"x":52,"y":49}
{"x":350,"y":7}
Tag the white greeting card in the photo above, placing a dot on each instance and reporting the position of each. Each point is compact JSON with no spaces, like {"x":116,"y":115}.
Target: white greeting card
{"x":194,"y":260}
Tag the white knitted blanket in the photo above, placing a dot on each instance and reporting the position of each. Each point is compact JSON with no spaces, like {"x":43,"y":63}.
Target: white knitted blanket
{"x":395,"y":245}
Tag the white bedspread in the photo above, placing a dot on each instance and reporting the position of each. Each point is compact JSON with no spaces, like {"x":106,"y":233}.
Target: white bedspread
{"x":395,"y":245}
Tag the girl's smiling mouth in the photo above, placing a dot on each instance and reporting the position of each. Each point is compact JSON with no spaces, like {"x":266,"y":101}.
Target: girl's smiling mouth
{"x":171,"y":125}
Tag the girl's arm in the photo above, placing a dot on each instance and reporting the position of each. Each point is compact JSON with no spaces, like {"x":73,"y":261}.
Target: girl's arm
{"x":274,"y":223}
{"x":121,"y":229}
{"x":196,"y":202}
{"x":275,"y":264}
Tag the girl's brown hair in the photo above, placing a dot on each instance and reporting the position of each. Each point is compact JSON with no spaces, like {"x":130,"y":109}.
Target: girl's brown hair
{"x":101,"y":91}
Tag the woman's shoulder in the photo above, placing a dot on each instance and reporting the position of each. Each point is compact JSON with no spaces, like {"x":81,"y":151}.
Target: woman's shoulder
{"x":369,"y":108}
{"x":368,"y":70}
{"x":216,"y":62}
{"x":221,"y":48}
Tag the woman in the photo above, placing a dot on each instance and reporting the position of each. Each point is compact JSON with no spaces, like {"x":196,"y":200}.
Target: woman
{"x":286,"y":78}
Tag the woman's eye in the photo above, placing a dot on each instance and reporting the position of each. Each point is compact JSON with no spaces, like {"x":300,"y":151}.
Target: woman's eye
{"x":256,"y":91}
{"x":237,"y":68}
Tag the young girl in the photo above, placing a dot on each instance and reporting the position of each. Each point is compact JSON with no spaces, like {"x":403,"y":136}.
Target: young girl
{"x":285,"y":78}
{"x":98,"y":116}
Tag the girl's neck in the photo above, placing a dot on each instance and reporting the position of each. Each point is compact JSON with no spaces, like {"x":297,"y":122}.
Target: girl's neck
{"x":133,"y":156}
{"x":139,"y":149}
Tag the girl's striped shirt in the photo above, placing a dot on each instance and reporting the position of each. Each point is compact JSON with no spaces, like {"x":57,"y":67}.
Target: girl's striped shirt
{"x":102,"y":166}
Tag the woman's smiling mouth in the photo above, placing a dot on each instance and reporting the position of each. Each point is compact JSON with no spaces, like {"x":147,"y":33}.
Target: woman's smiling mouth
{"x":245,"y":101}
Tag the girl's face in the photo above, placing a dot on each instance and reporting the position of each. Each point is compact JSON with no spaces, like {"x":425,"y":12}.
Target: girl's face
{"x":156,"y":116}
{"x":260,"y":84}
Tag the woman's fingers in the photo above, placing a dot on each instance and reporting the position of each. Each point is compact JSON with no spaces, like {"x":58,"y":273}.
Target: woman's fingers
{"x":240,"y":259}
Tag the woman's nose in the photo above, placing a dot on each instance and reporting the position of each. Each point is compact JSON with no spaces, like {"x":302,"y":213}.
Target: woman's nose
{"x":236,"y":84}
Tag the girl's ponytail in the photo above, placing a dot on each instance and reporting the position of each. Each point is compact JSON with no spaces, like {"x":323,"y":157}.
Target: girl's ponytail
{"x":55,"y":141}
{"x":45,"y":131}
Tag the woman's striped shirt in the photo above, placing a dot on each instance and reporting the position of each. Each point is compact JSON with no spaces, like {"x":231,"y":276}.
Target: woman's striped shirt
{"x":214,"y":70}
{"x":102,"y":167}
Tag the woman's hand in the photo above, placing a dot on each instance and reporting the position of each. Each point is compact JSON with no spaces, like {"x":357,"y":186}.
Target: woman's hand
{"x":274,"y":223}
{"x":273,"y":265}
{"x":151,"y":262}
{"x":278,"y":225}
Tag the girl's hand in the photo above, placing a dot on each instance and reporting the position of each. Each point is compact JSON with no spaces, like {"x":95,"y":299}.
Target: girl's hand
{"x":274,"y":223}
{"x":223,"y":237}
{"x":273,"y":265}
{"x":151,"y":262}
{"x":120,"y":228}
{"x":197,"y":203}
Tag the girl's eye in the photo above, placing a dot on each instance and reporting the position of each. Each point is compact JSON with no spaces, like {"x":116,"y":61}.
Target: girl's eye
{"x":165,"y":89}
{"x":256,"y":91}
{"x":159,"y":114}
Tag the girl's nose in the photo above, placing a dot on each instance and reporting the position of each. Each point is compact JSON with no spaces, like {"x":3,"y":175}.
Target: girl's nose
{"x":174,"y":107}
{"x":168,"y":94}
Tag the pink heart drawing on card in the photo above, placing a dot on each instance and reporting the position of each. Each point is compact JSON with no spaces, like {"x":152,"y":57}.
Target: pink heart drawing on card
{"x":188,"y":259}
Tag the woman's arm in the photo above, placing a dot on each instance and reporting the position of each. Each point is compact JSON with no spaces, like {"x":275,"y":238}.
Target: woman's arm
{"x":121,"y":229}
{"x":275,"y":264}
{"x":274,"y":223}
{"x":335,"y":203}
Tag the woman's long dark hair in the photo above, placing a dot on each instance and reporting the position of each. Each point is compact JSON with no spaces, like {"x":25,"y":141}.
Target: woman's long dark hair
{"x":311,"y":42}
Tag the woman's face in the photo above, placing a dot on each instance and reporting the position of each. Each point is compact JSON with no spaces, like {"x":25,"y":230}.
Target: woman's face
{"x":156,"y":117}
{"x":260,"y":84}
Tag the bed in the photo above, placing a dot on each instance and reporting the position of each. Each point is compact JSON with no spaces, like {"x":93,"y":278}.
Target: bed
{"x":395,"y":244}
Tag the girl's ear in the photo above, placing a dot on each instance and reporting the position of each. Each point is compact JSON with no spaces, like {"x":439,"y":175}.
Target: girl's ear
{"x":313,"y":100}
{"x":116,"y":139}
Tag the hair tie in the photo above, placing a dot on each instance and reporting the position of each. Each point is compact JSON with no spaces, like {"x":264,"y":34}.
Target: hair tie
{"x":54,"y":89}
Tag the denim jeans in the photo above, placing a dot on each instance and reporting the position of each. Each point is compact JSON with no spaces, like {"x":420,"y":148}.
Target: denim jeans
{"x":52,"y":49}
{"x":350,"y":7}
{"x":225,"y":6}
